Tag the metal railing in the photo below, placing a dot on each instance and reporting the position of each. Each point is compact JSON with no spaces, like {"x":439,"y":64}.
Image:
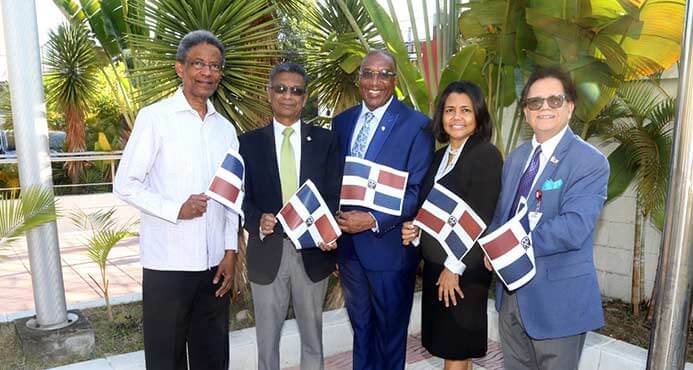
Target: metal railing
{"x":112,"y":156}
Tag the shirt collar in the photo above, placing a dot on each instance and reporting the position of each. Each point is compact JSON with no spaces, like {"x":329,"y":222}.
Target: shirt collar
{"x":377,"y":112}
{"x":182,"y":104}
{"x":279,"y":128}
{"x":549,"y":146}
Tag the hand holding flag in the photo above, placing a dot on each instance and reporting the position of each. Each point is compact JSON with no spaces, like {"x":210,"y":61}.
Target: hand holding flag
{"x":509,"y":250}
{"x":227,"y":185}
{"x":307,"y":220}
{"x":451,"y":221}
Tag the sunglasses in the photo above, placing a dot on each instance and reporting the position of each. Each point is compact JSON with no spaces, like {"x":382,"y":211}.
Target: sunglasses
{"x":554,"y":101}
{"x":368,"y":74}
{"x":293,"y":90}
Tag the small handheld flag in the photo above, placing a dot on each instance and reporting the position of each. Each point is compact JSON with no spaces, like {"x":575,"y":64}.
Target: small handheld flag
{"x":510,"y":251}
{"x":451,"y":221}
{"x":307,"y":220}
{"x":227,"y":185}
{"x":371,"y":185}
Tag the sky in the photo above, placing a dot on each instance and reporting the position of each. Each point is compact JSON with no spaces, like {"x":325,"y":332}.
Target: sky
{"x":49,"y":17}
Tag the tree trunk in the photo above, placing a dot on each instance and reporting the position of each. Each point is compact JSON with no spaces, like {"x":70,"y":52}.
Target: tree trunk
{"x":75,"y":141}
{"x":635,"y":289}
{"x":104,"y":279}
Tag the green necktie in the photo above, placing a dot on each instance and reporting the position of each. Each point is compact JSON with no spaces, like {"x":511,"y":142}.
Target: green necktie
{"x":287,"y":166}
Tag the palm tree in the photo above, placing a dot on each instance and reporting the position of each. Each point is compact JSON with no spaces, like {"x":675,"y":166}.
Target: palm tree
{"x":644,"y":133}
{"x":245,"y":27}
{"x":333,"y":51}
{"x":71,"y":84}
{"x":34,"y":207}
{"x":105,"y":233}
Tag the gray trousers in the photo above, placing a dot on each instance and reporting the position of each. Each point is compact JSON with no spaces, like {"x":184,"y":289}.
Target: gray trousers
{"x":521,"y":352}
{"x":271,"y":303}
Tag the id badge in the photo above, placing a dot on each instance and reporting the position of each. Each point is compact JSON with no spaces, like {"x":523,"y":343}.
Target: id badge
{"x":534,"y":218}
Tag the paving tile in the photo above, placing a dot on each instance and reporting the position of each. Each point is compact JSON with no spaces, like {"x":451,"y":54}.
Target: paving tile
{"x":127,"y":361}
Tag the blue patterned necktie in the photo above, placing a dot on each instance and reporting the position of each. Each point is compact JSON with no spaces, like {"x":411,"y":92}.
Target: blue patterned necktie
{"x":526,"y":181}
{"x":361,"y":144}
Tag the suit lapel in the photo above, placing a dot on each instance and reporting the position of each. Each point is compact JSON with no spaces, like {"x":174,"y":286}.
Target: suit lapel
{"x":271,"y":158}
{"x":552,"y":164}
{"x":306,"y":153}
{"x":382,"y":131}
{"x":468,"y":146}
{"x":514,"y":175}
{"x":351,"y":121}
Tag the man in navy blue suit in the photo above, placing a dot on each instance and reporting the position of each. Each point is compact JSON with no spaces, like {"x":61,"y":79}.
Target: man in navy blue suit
{"x":377,"y":272}
{"x":543,"y":324}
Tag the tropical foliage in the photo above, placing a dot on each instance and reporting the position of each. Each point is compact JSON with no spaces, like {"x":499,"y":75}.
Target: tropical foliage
{"x":72,"y":82}
{"x":106,"y":21}
{"x":602,"y":43}
{"x":247,"y":30}
{"x":333,"y":51}
{"x":104,"y":233}
{"x":643,"y":123}
{"x":34,"y":207}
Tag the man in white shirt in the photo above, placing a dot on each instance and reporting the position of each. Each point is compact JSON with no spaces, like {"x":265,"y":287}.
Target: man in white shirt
{"x":279,"y":158}
{"x":187,"y":242}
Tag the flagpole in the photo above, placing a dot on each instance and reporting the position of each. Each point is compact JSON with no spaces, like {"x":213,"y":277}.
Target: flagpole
{"x":673,"y":302}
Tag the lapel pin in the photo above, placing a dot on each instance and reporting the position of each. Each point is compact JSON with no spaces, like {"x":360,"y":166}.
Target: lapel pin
{"x":554,"y":160}
{"x":382,"y":128}
{"x":308,"y":138}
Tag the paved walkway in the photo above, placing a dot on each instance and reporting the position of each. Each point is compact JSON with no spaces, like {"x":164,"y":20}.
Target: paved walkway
{"x":419,"y":359}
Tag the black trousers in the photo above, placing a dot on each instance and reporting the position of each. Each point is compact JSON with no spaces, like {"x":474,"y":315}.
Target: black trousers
{"x":179,"y":308}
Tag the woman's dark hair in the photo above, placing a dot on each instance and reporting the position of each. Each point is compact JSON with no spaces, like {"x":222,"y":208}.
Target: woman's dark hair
{"x":483,"y":118}
{"x":551,"y":72}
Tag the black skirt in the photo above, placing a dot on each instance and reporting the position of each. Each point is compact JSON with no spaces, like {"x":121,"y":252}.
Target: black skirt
{"x":456,"y":332}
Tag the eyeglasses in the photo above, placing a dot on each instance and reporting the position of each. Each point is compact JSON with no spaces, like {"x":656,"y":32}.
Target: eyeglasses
{"x":198,"y":65}
{"x":554,"y":101}
{"x":368,"y":74}
{"x":293,"y":90}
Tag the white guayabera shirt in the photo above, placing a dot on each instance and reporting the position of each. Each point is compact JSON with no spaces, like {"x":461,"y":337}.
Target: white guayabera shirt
{"x":171,"y":154}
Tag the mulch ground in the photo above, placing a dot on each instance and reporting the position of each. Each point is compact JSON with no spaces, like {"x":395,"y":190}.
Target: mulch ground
{"x":623,"y":325}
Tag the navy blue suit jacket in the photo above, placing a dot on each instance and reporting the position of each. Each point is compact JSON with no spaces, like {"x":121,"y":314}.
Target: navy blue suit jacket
{"x":563,"y":298}
{"x":402,"y":141}
{"x":321,"y":162}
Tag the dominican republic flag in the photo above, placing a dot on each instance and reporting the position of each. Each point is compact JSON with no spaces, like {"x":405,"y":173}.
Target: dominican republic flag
{"x":307,"y":220}
{"x":510,"y":250}
{"x":227,"y":185}
{"x":451,"y":221}
{"x":368,"y":184}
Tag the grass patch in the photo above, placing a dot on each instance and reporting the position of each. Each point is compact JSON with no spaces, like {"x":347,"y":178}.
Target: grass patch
{"x":122,"y":335}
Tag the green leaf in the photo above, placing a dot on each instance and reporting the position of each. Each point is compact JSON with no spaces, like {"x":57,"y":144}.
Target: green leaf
{"x":621,"y":174}
{"x":351,"y":63}
{"x":35,"y":207}
{"x":465,"y":65}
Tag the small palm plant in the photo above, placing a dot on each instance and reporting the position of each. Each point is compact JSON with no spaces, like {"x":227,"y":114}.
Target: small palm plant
{"x":105,"y":232}
{"x":643,"y":130}
{"x":35,"y":206}
{"x":72,"y":83}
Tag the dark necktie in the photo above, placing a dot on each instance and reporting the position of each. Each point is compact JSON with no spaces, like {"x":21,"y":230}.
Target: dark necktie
{"x":526,"y":181}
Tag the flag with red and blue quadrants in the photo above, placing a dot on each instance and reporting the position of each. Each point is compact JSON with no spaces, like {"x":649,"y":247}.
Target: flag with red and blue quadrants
{"x":307,"y":220}
{"x":450,"y":220}
{"x":374,"y":186}
{"x":226,"y":186}
{"x":510,"y":251}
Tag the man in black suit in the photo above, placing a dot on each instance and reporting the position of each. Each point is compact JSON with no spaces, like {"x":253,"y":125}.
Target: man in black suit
{"x":279,"y":158}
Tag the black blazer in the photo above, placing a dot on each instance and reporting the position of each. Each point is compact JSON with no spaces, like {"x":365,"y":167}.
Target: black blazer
{"x":320,"y":162}
{"x":476,"y":178}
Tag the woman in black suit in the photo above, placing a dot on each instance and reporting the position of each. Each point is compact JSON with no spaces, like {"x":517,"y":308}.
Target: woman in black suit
{"x":453,"y":324}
